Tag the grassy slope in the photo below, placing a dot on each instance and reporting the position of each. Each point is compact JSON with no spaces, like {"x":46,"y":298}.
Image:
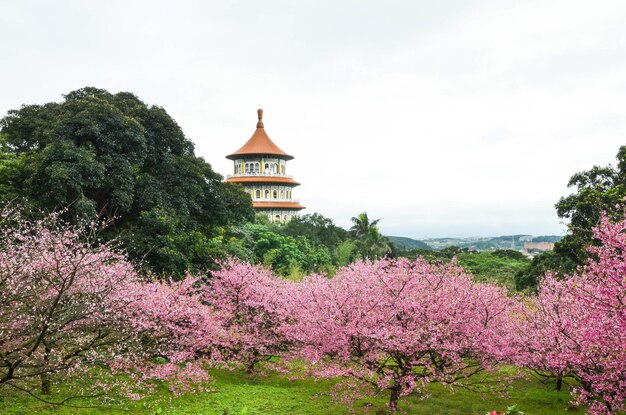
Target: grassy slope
{"x":275,"y":395}
{"x":488,"y":267}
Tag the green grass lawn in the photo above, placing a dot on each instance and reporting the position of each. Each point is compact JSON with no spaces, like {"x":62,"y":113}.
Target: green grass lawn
{"x":276,"y":395}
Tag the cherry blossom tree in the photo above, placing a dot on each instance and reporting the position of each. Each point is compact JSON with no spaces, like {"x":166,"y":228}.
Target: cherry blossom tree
{"x":70,"y":308}
{"x":398,"y":325}
{"x":578,"y":325}
{"x":248,"y":301}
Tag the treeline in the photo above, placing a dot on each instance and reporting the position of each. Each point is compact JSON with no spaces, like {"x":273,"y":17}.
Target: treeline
{"x":112,"y":156}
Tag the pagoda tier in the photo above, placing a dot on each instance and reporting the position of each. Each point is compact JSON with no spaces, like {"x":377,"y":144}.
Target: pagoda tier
{"x":260,"y":166}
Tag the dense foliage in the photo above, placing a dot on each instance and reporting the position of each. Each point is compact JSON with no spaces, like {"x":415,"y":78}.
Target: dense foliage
{"x":97,"y":153}
{"x":309,"y":243}
{"x":501,"y":267}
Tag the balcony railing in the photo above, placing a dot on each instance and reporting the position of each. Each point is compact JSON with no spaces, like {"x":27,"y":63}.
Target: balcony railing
{"x":259,"y":175}
{"x":277,"y":200}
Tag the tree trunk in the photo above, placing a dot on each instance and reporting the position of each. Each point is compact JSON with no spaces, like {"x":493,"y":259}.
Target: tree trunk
{"x":251,"y":363}
{"x":44,"y":377}
{"x":45,"y":384}
{"x":559,"y":382}
{"x":250,"y":367}
{"x":393,"y":399}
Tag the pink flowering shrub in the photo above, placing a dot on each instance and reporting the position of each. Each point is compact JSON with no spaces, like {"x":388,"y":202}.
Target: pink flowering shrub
{"x":174,"y":324}
{"x":71,"y":308}
{"x":577,"y":326}
{"x":248,"y":302}
{"x":398,"y":325}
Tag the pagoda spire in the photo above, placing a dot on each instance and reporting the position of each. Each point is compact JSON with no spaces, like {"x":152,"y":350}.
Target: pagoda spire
{"x":259,"y":123}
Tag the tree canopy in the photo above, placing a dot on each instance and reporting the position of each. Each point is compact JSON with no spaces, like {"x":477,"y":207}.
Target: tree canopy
{"x":598,"y":190}
{"x":97,"y":153}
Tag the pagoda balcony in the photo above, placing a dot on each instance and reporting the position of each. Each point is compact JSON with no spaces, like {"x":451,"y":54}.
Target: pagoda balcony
{"x":264,"y":174}
{"x":277,"y":200}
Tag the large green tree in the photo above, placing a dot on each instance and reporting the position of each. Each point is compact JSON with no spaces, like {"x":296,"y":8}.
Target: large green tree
{"x":601,"y":189}
{"x":598,"y":190}
{"x":97,"y":153}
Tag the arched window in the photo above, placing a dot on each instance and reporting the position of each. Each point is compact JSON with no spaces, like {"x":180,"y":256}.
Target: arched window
{"x":285,"y":218}
{"x":267,"y":167}
{"x":282,"y":194}
{"x":257,"y":167}
{"x":275,"y":194}
{"x":258,"y":194}
{"x":267,"y":194}
{"x":278,"y":218}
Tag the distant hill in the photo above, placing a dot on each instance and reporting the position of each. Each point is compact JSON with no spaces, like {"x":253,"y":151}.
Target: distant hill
{"x":488,"y":243}
{"x":407,"y":243}
{"x":515,"y":242}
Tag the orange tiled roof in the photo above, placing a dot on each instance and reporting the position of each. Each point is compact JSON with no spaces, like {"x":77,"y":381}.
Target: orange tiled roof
{"x":263,"y":179}
{"x":259,"y":143}
{"x":277,"y":205}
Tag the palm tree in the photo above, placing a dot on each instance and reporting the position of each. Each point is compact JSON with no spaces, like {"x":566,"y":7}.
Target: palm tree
{"x":362,"y":225}
{"x":373,"y":245}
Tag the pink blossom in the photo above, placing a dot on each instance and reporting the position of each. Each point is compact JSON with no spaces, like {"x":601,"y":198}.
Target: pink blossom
{"x":398,"y":325}
{"x":577,"y":326}
{"x":71,"y":307}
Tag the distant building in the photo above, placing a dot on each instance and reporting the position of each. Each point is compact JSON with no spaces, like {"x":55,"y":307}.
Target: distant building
{"x":261,"y":167}
{"x":538,"y":246}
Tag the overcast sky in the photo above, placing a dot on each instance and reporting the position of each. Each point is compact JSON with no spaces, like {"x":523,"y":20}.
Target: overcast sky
{"x":443,"y":118}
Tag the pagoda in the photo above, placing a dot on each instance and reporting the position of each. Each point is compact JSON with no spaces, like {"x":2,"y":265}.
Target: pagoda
{"x":261,"y":167}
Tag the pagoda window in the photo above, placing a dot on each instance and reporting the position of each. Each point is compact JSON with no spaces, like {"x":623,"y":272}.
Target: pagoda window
{"x":257,"y":167}
{"x":267,"y":194}
{"x":258,"y":194}
{"x":275,"y":194}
